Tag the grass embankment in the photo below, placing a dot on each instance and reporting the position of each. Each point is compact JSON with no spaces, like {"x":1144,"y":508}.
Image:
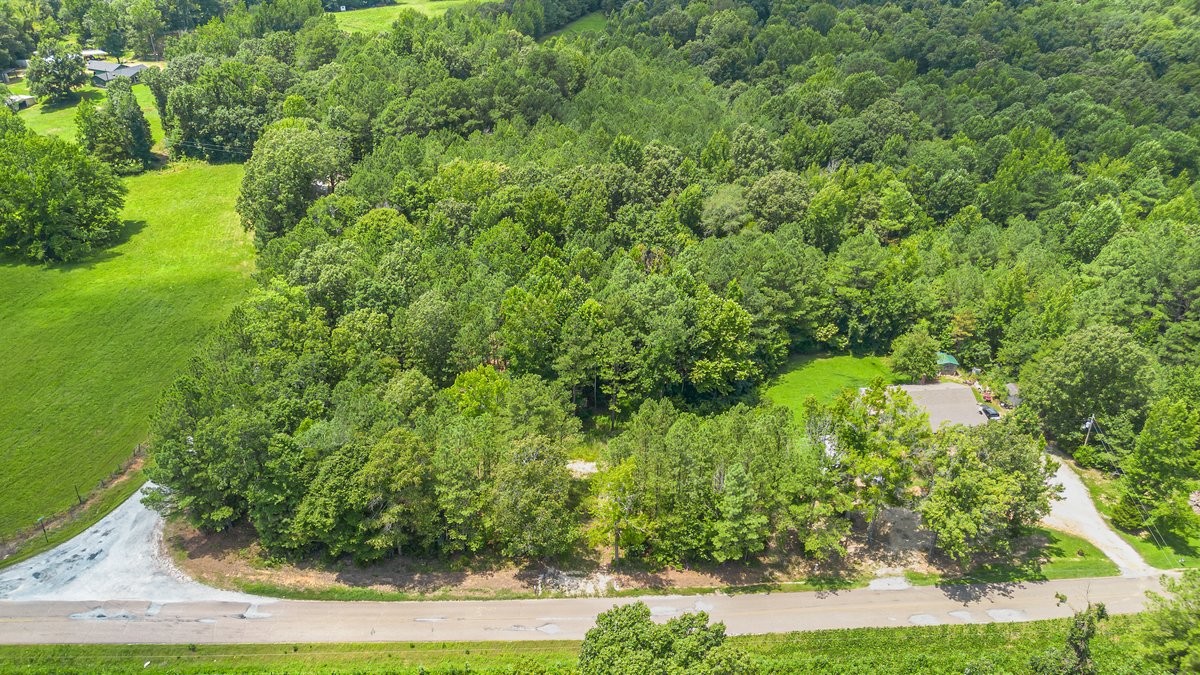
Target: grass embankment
{"x":90,"y":346}
{"x":1161,"y":548}
{"x":378,"y":19}
{"x":824,"y":377}
{"x":1052,"y":555}
{"x":59,"y":119}
{"x":1063,"y":556}
{"x":588,"y":23}
{"x":935,"y":649}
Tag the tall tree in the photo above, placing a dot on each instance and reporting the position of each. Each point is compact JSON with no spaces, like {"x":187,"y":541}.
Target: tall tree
{"x":56,"y":72}
{"x":914,"y":354}
{"x":116,"y":131}
{"x":56,"y":202}
{"x":1098,"y":371}
{"x":1162,"y":470}
{"x":1075,"y":658}
{"x":625,"y":640}
{"x":1169,"y":634}
{"x":293,"y":163}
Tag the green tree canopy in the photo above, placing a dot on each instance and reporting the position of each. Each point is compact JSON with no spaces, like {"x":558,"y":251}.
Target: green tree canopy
{"x":56,"y":72}
{"x":914,"y":354}
{"x":625,"y":640}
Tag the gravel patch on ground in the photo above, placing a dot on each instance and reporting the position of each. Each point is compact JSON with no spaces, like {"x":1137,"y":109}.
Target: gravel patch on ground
{"x":1076,"y":514}
{"x":119,"y":558}
{"x":946,"y":403}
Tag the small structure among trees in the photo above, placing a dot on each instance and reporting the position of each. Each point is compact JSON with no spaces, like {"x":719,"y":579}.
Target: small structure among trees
{"x":947,"y":364}
{"x":103,"y":78}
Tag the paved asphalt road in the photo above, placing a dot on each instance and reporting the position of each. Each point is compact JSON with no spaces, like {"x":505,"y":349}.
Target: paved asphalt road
{"x":299,"y":621}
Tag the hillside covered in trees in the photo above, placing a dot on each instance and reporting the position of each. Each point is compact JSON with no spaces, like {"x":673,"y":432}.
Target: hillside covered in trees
{"x":474,"y":246}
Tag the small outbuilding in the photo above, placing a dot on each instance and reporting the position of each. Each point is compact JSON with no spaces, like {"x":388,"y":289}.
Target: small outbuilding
{"x":132,"y":72}
{"x":94,"y":54}
{"x":947,"y":364}
{"x":19,"y":102}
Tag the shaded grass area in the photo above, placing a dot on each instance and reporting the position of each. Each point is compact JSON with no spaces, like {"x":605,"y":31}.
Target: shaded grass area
{"x":824,"y":377}
{"x":379,"y":19}
{"x":1162,"y":548}
{"x":59,"y":119}
{"x":90,"y":346}
{"x":1063,"y":556}
{"x":588,"y":23}
{"x":935,"y":649}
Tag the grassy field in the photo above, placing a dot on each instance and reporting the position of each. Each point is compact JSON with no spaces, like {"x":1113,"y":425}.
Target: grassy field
{"x":1162,"y":549}
{"x":59,"y":120}
{"x":377,"y":19}
{"x":824,"y":377}
{"x":588,"y":23}
{"x":1064,"y":556}
{"x":89,"y":347}
{"x":935,"y":649}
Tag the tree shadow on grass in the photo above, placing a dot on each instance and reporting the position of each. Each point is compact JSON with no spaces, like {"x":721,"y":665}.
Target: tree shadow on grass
{"x":71,"y":101}
{"x":1000,"y":576}
{"x":129,"y":228}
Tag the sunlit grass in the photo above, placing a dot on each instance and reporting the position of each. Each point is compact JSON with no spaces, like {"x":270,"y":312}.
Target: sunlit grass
{"x":89,"y":347}
{"x":380,"y":19}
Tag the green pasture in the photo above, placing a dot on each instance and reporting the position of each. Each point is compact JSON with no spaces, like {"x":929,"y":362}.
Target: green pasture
{"x":59,"y":119}
{"x":88,"y":347}
{"x":588,"y":23}
{"x":986,"y":648}
{"x":824,"y":377}
{"x":378,"y":19}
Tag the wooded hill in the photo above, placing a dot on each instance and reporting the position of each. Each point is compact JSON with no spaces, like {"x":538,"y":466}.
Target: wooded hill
{"x":472,"y":243}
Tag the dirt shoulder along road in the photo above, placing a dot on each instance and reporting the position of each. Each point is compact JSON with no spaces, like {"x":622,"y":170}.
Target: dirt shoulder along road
{"x":113,"y":585}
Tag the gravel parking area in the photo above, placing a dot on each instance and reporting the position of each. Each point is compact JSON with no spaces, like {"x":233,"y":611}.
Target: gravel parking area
{"x":946,"y":403}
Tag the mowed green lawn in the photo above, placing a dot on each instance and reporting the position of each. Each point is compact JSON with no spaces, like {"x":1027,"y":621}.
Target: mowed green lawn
{"x":824,"y":377}
{"x":377,"y":19}
{"x":588,"y":23}
{"x":86,"y":349}
{"x":59,"y":120}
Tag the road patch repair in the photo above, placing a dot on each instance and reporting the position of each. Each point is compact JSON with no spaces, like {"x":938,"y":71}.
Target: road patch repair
{"x":946,"y":403}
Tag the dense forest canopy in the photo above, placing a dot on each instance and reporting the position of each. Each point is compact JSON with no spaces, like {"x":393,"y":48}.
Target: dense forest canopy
{"x":475,"y":245}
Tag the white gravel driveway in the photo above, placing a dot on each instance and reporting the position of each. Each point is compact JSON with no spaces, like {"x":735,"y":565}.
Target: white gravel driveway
{"x":118,"y":558}
{"x":1076,"y":514}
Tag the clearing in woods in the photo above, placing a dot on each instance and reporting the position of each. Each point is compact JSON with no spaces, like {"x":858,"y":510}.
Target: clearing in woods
{"x":89,"y":347}
{"x":588,"y":23}
{"x":378,"y":19}
{"x":824,"y":377}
